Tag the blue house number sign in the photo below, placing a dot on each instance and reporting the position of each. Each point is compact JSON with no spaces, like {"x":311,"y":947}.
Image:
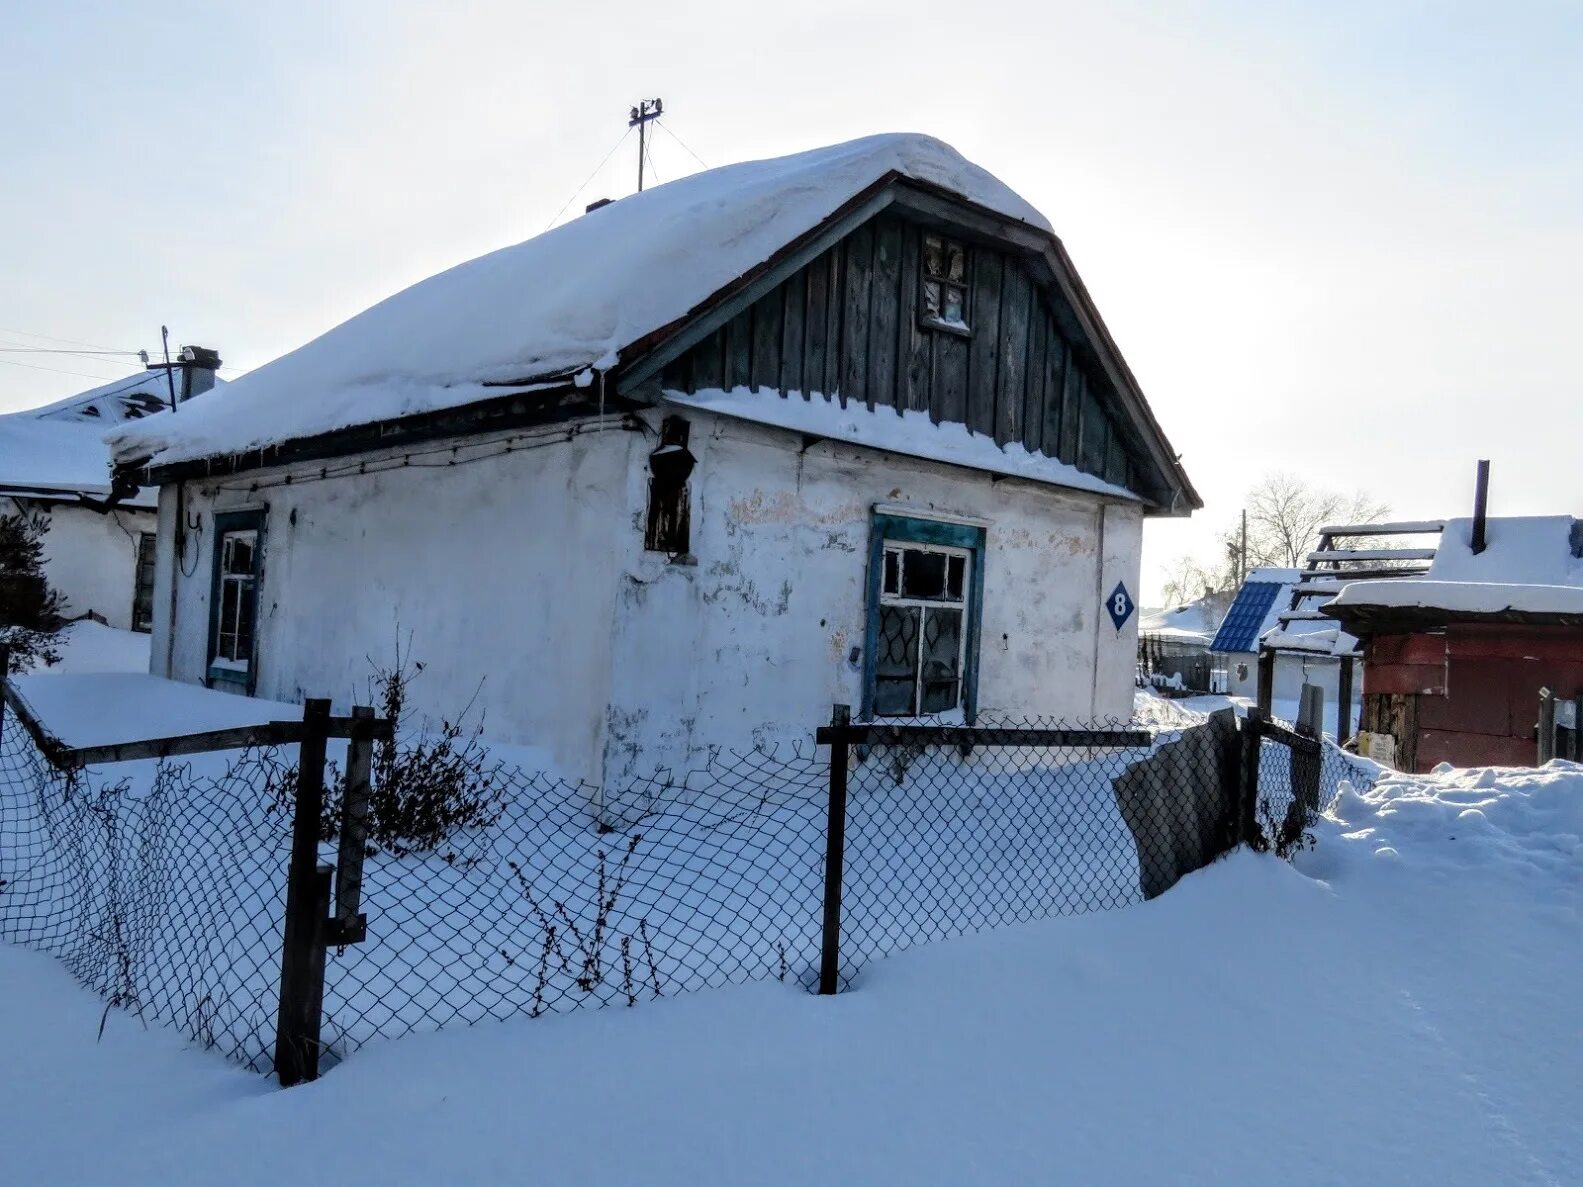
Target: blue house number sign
{"x":1120,"y":605}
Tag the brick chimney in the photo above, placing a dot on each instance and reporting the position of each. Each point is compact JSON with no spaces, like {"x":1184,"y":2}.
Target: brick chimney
{"x":198,"y":365}
{"x":192,"y":370}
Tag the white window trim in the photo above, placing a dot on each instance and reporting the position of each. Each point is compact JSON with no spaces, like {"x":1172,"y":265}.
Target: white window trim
{"x":246,"y":583}
{"x":924,"y":605}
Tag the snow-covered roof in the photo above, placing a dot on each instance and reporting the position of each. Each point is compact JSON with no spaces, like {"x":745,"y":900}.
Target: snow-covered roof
{"x":1255,"y":610}
{"x":565,"y":301}
{"x":1518,"y":550}
{"x":1530,"y":565}
{"x":60,"y":447}
{"x":1196,"y":622}
{"x":1465,"y":597}
{"x":132,"y":398}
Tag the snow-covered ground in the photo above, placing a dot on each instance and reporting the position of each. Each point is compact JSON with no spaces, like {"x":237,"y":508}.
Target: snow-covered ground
{"x":88,"y":646}
{"x":1401,"y":1007}
{"x":1149,"y":708}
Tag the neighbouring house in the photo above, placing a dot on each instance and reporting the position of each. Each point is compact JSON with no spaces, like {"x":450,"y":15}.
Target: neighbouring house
{"x":1254,"y":612}
{"x":99,"y":553}
{"x":1454,"y":661}
{"x":839,"y":427}
{"x":1173,"y":644}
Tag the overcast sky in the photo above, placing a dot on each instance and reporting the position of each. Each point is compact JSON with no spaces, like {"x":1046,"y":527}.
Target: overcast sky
{"x":1343,"y":240}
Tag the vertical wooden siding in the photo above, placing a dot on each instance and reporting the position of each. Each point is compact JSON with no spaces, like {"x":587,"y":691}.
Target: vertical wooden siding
{"x":847,"y":327}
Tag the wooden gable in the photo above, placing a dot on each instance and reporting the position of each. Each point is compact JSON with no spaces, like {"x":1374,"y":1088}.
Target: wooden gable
{"x":848,"y":325}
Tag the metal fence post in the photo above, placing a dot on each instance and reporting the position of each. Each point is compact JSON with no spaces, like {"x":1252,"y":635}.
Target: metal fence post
{"x":834,"y":855}
{"x":5,"y":681}
{"x":307,"y":904}
{"x":1252,"y":740}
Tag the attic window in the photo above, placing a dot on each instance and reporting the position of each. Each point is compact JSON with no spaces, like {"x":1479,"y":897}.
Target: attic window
{"x":944,"y":285}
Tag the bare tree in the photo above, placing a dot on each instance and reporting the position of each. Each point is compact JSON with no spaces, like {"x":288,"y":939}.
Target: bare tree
{"x":1186,"y":581}
{"x":1285,"y":515}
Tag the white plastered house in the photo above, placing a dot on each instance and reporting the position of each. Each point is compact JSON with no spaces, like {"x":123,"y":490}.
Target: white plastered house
{"x":841,"y":427}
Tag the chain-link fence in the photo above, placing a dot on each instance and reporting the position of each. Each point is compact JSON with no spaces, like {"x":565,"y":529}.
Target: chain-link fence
{"x":1296,"y":777}
{"x":161,"y":886}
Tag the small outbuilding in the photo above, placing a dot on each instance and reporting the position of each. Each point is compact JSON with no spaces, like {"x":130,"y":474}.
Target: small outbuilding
{"x":1454,"y":662}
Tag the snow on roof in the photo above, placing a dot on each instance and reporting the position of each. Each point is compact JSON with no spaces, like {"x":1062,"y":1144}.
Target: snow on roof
{"x":111,"y":708}
{"x":1530,"y":564}
{"x":912,"y":433}
{"x":1316,"y":637}
{"x":1195,"y":622}
{"x":45,"y":455}
{"x":1256,"y":609}
{"x":1519,"y":550}
{"x":571,"y":298}
{"x":60,"y":446}
{"x":1465,"y":597}
{"x":131,"y":398}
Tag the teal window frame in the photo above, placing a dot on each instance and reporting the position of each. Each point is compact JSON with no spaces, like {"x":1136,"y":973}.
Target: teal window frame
{"x":226,"y":523}
{"x":886,"y":527}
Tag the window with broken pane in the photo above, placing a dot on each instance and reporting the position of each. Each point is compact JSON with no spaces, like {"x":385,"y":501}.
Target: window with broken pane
{"x":143,"y":584}
{"x":921,"y":646}
{"x":944,"y":283}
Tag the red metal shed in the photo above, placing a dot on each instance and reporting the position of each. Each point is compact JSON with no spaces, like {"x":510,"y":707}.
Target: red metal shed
{"x":1453,"y":664}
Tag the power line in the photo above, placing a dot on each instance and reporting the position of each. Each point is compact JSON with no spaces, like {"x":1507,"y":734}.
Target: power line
{"x":590,"y":178}
{"x":61,"y":350}
{"x":57,"y":370}
{"x":52,"y":338}
{"x":667,"y":129}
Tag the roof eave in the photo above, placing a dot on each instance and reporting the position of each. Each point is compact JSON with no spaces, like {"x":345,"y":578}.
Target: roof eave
{"x":511,"y":410}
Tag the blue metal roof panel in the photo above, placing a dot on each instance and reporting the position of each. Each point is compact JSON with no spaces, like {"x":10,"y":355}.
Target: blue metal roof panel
{"x":1244,"y":622}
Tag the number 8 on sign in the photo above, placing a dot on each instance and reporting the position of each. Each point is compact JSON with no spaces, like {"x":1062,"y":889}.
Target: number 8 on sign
{"x":1120,"y":605}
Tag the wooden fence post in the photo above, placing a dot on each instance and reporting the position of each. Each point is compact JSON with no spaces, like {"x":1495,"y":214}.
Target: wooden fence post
{"x":1305,"y":768}
{"x":307,"y":905}
{"x":1344,"y":703}
{"x":1266,"y":690}
{"x":1311,"y":711}
{"x":1252,"y":741}
{"x":834,"y":856}
{"x":1547,"y":726}
{"x":350,"y":926}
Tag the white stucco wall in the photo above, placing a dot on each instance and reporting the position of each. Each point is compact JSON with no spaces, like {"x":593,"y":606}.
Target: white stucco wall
{"x":761,"y":631}
{"x":90,"y":557}
{"x":527,"y":571}
{"x":502,"y":572}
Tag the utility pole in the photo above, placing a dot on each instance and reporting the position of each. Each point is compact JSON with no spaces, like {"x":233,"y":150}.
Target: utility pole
{"x":170,"y":377}
{"x":646,"y":110}
{"x":1242,"y":575}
